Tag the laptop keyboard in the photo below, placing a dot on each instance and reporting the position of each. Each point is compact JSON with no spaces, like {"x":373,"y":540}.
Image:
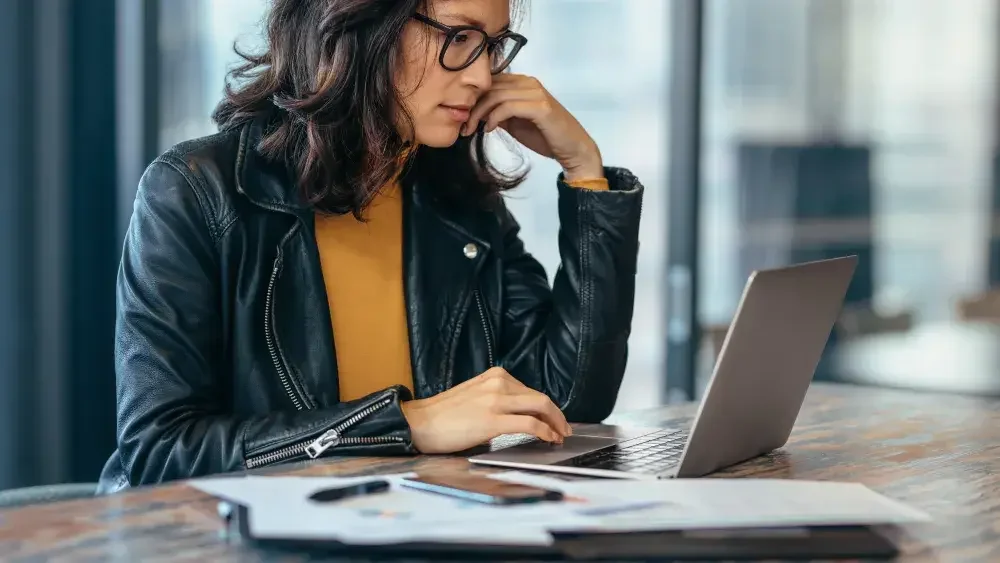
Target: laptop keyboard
{"x":652,"y":454}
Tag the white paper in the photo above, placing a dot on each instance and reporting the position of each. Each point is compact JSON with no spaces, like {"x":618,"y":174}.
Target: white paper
{"x":263,"y":491}
{"x":280,"y":508}
{"x":705,"y":503}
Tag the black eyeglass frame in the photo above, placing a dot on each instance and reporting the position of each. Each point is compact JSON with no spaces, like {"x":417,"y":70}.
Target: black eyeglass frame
{"x":452,"y":31}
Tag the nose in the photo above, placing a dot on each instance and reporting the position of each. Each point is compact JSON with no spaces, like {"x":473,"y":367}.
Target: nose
{"x":478,"y":73}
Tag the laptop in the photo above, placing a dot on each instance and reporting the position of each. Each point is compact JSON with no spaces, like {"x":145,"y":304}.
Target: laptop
{"x":764,"y":369}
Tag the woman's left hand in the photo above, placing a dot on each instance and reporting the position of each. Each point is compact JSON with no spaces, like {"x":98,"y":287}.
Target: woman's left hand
{"x":525,"y":109}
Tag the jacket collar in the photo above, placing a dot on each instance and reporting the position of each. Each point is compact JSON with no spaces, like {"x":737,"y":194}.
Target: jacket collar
{"x":264,"y":182}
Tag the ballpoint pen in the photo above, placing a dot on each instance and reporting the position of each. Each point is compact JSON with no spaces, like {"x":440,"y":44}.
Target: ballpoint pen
{"x":340,"y":493}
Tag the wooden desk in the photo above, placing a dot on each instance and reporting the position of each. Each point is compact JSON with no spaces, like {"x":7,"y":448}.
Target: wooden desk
{"x":940,"y":453}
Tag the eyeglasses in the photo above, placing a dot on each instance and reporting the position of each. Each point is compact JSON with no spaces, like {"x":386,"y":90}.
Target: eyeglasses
{"x":463,"y":44}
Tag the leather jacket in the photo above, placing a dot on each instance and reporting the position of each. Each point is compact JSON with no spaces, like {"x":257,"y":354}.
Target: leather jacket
{"x":224,"y":350}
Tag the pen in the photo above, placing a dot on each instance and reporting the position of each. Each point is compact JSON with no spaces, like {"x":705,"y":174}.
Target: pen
{"x":340,"y":493}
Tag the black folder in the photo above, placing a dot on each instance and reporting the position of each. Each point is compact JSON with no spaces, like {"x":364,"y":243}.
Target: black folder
{"x":827,"y":542}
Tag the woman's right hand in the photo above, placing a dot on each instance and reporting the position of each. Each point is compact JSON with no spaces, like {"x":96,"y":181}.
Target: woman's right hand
{"x":480,"y":409}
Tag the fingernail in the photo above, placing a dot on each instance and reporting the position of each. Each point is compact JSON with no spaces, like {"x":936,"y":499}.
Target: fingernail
{"x":569,"y":430}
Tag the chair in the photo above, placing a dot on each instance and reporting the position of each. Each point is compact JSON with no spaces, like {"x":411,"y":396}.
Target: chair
{"x":12,"y":498}
{"x":980,"y":307}
{"x":861,"y":320}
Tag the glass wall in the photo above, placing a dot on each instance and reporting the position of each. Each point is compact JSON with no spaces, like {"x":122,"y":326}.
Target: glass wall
{"x":196,"y":51}
{"x":586,"y":53}
{"x":857,"y":127}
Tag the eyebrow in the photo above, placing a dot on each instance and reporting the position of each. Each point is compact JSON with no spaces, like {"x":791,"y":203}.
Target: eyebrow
{"x":473,"y":21}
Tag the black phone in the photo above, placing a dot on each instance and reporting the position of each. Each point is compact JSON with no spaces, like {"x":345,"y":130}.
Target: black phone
{"x":480,"y":488}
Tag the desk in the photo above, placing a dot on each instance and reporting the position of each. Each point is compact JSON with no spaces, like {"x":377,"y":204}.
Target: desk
{"x":955,"y":357}
{"x":940,"y":453}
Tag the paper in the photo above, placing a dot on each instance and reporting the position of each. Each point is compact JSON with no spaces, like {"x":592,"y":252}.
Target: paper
{"x":280,"y":508}
{"x":678,"y":504}
{"x":254,"y":490}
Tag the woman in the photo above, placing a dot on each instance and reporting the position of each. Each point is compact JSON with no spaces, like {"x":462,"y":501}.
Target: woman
{"x":335,"y":271}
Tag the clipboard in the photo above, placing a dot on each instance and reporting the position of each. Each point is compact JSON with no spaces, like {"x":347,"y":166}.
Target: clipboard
{"x":237,"y":518}
{"x":828,"y":542}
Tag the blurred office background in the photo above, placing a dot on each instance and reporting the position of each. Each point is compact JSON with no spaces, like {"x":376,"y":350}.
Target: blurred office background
{"x":766,"y":131}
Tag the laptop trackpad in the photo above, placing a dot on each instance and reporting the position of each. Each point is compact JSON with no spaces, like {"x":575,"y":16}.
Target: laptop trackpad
{"x":543,"y":453}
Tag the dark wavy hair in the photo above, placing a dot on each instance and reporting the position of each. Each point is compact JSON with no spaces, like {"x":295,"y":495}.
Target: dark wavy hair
{"x":325,"y":83}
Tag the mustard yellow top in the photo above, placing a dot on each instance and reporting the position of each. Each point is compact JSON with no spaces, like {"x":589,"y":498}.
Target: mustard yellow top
{"x":363,"y":272}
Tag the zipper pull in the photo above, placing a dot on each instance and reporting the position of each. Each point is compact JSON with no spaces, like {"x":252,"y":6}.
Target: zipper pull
{"x":329,"y":439}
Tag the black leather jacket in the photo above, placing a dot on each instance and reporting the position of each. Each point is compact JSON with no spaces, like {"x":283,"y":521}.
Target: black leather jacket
{"x":224,"y":351}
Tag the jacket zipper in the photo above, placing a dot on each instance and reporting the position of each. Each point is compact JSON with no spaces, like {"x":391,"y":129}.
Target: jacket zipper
{"x":331,"y":438}
{"x":272,"y":348}
{"x":486,"y":325}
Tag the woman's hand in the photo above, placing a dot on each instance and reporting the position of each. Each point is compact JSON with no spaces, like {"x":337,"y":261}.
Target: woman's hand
{"x":525,"y":109}
{"x":480,"y":409}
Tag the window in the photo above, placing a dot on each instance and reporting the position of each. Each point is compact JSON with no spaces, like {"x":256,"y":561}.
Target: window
{"x":886,"y":150}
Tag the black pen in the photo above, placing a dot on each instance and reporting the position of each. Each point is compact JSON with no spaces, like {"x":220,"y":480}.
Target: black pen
{"x":340,"y":493}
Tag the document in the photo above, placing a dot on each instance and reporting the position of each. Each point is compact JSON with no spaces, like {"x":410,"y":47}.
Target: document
{"x":683,"y":504}
{"x":280,"y":508}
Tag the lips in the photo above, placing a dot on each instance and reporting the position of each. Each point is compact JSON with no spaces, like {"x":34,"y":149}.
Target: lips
{"x":459,"y":114}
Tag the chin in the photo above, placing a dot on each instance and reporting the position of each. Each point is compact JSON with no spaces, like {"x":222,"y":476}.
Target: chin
{"x":438,"y":137}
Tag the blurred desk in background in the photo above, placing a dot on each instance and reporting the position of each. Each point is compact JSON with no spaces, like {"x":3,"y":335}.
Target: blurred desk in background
{"x":956,"y":357}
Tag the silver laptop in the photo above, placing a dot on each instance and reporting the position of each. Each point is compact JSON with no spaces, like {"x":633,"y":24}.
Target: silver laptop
{"x":764,"y":369}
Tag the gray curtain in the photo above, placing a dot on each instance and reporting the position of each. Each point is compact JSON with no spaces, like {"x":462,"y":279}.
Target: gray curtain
{"x":59,"y":241}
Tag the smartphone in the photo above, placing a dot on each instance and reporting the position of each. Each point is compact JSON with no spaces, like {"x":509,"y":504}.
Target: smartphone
{"x":480,"y":489}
